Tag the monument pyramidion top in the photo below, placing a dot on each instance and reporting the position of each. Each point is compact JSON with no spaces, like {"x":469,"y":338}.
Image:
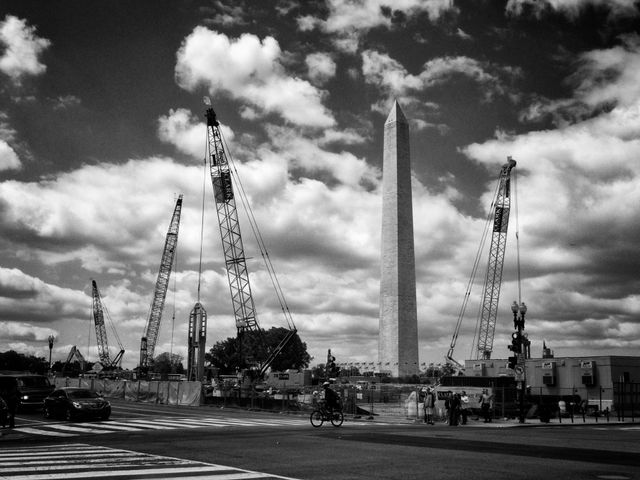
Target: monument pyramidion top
{"x":396,"y":114}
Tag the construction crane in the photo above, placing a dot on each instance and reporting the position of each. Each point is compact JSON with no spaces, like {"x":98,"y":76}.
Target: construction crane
{"x":499,"y":218}
{"x":232,"y":246}
{"x":148,"y":341}
{"x":101,"y":332}
{"x":74,"y":353}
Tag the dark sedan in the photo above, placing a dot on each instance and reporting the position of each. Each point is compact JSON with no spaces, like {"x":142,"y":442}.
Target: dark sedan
{"x":72,"y":403}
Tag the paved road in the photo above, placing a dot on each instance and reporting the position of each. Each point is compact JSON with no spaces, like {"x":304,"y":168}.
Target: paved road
{"x":217,"y":443}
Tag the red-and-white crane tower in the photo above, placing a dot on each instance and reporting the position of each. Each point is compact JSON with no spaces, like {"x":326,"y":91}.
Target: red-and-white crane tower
{"x":148,"y":341}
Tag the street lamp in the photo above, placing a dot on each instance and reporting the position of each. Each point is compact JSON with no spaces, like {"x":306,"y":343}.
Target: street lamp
{"x":51,"y":340}
{"x":520,"y":344}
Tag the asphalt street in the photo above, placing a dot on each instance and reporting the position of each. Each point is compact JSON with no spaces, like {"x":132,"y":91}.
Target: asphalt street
{"x":156,"y":441}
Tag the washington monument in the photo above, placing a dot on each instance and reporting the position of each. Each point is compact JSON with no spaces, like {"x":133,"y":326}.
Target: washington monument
{"x":398,"y":336}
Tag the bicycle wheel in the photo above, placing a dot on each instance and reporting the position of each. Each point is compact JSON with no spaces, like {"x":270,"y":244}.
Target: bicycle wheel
{"x":337,"y":418}
{"x":317,"y":419}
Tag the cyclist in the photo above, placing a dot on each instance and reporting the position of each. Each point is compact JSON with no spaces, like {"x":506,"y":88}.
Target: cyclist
{"x":331,"y":398}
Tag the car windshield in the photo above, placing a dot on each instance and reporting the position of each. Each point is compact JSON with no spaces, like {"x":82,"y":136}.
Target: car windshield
{"x":34,"y":382}
{"x":82,"y":394}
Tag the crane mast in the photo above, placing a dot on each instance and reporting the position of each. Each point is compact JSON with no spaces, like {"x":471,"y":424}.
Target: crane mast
{"x":148,"y":342}
{"x":101,"y":331}
{"x":233,"y":249}
{"x":493,"y":280}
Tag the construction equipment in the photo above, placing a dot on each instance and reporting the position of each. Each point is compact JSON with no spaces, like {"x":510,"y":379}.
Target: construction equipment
{"x":101,"y":332}
{"x":499,"y":215}
{"x":232,"y":246}
{"x":148,"y":341}
{"x":74,"y":353}
{"x":197,"y":343}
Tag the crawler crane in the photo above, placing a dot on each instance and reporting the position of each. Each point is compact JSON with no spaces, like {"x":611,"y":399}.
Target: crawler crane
{"x":233,"y":249}
{"x":499,"y":213}
{"x":101,"y":332}
{"x":148,"y":341}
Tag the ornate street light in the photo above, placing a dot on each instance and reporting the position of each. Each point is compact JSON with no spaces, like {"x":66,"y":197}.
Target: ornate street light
{"x":51,"y":340}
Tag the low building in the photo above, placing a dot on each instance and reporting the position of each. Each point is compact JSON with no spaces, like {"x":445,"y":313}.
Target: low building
{"x":603,"y":381}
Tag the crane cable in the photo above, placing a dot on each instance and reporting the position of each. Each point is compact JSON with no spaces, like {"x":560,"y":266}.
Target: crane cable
{"x":204,"y":185}
{"x":260,"y":241}
{"x":515,"y":205}
{"x":474,"y":271}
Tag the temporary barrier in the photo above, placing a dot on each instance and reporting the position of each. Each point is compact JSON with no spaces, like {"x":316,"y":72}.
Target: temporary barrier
{"x":166,"y":393}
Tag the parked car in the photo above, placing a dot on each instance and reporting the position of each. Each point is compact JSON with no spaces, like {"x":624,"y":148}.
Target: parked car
{"x":72,"y":403}
{"x":32,"y":389}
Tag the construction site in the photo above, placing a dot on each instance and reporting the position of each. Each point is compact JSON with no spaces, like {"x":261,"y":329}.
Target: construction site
{"x":520,"y":384}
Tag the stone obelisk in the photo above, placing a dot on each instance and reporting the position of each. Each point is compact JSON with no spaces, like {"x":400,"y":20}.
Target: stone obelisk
{"x":398,"y":336}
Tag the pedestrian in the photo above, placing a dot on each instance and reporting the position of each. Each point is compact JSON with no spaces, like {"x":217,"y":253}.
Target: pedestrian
{"x":3,"y":412}
{"x":464,"y":405}
{"x":11,"y":398}
{"x":454,"y":410}
{"x":428,"y":405}
{"x":447,"y":405}
{"x":485,"y":405}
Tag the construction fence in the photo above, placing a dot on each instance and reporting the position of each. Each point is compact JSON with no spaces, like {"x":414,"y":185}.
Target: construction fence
{"x":162,"y":392}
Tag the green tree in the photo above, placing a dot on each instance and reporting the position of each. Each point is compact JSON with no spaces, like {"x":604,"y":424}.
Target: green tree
{"x":167,"y":363}
{"x":233,"y":353}
{"x":19,"y":362}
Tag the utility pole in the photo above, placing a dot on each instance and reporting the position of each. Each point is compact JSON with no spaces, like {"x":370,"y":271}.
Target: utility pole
{"x":51,"y":340}
{"x":519,"y":346}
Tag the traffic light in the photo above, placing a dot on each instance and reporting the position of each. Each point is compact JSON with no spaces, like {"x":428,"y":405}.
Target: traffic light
{"x":332,"y":369}
{"x":516,"y":342}
{"x":513,"y":361}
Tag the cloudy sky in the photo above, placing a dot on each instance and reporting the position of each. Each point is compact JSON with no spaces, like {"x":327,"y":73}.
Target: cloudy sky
{"x":101,"y":127}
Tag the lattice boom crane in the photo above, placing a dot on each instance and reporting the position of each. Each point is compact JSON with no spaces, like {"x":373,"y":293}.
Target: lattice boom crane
{"x":101,"y":331}
{"x":493,"y":281}
{"x":148,"y":341}
{"x":233,"y":249}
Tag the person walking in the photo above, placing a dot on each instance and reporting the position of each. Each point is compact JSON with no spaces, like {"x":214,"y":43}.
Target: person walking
{"x":428,"y":406}
{"x":11,"y":398}
{"x":454,"y":410}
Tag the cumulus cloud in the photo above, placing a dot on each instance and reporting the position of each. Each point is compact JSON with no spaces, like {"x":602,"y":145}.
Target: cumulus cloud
{"x":348,"y":20}
{"x":393,"y":79}
{"x":22,"y":49}
{"x":8,"y":157}
{"x":251,"y":70}
{"x":321,"y":67}
{"x":571,"y":8}
{"x":604,"y":78}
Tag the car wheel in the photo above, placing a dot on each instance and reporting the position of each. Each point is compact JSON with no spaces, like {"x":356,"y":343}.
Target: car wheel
{"x":68,"y":415}
{"x":105,"y":417}
{"x":47,"y":412}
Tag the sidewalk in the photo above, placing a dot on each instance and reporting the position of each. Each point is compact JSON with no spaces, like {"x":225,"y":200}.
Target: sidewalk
{"x":514,"y":422}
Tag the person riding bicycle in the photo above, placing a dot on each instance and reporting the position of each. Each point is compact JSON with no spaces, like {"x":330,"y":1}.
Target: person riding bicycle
{"x":331,"y":398}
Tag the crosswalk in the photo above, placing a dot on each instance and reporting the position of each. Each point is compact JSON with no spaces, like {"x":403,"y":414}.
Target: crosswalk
{"x":77,"y":461}
{"x":65,"y":429}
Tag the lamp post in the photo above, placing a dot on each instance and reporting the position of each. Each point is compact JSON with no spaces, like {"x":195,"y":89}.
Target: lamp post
{"x":519,"y":344}
{"x":51,"y":340}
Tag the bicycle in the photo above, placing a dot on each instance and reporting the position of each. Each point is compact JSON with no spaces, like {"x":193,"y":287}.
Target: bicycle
{"x":321,"y":415}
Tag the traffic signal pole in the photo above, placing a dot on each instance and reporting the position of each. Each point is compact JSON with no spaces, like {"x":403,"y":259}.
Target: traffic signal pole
{"x":519,"y":346}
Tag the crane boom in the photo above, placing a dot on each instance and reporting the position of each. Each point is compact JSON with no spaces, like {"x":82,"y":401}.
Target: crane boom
{"x":493,"y":280}
{"x":101,"y":331}
{"x":148,"y":342}
{"x":233,"y":249}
